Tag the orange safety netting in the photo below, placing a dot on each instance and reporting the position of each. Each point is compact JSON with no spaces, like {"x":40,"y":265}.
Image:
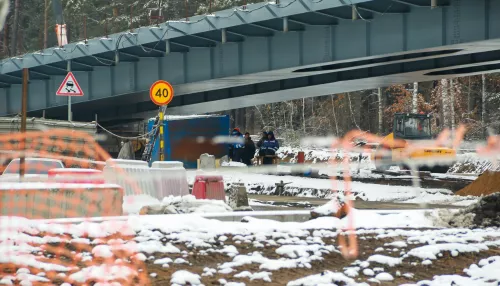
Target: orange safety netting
{"x":30,"y":188}
{"x":349,"y":247}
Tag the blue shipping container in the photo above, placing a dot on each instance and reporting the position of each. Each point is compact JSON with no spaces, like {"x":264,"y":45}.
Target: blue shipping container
{"x":183,"y":134}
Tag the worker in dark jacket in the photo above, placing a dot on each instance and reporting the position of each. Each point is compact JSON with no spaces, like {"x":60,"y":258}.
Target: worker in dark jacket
{"x":270,"y":146}
{"x":236,"y":149}
{"x":249,"y":150}
{"x":259,"y":144}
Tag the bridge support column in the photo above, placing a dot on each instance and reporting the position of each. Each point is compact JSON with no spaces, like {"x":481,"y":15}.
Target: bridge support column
{"x":285,"y":24}
{"x":224,"y":38}
{"x":167,"y":47}
{"x":433,"y":4}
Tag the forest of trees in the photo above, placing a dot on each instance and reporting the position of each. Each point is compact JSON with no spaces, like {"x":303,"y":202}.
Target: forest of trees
{"x":450,"y":102}
{"x":30,"y":25}
{"x":471,"y":100}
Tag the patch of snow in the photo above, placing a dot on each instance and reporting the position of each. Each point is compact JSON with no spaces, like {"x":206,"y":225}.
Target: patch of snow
{"x":294,"y":251}
{"x":226,"y":270}
{"x":162,"y":261}
{"x":233,"y":164}
{"x":325,"y":278}
{"x":387,"y":260}
{"x":368,"y":272}
{"x":352,"y":271}
{"x":189,"y":204}
{"x":183,"y":277}
{"x":384,"y":276}
{"x":487,"y":269}
{"x":254,"y":276}
{"x":103,"y":273}
{"x":431,"y":251}
{"x":180,"y":261}
{"x":399,"y":243}
{"x":133,"y":204}
{"x":426,"y":262}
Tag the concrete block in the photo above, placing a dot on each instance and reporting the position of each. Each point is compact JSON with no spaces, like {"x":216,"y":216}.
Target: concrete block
{"x":207,"y":162}
{"x":238,"y":197}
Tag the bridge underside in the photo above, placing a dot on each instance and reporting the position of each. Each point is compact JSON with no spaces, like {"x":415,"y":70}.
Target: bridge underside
{"x":240,"y":59}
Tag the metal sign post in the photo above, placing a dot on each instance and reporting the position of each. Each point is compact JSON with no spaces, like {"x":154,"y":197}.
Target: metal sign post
{"x":69,"y":87}
{"x":161,"y":93}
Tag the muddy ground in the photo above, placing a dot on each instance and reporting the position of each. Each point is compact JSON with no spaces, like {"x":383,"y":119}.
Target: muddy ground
{"x":333,"y":262}
{"x":198,"y":259}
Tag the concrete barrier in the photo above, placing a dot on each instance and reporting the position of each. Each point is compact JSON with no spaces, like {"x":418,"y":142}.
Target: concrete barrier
{"x":60,"y":200}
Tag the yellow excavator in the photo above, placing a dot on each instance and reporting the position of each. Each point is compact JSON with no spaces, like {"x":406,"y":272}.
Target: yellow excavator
{"x":409,"y":128}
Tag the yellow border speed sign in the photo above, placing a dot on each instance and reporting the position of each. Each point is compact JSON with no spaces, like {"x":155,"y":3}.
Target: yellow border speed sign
{"x":161,"y":93}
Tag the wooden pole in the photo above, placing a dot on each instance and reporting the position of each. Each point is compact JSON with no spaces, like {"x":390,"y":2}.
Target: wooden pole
{"x":46,"y":24}
{"x":24,"y":110}
{"x":85,"y":28}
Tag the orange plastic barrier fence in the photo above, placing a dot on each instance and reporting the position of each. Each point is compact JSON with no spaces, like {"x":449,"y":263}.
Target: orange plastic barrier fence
{"x":42,"y":192}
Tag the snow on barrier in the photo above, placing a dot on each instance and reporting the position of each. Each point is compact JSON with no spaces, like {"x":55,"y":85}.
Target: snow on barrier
{"x":78,"y":176}
{"x":137,"y":178}
{"x":167,"y":164}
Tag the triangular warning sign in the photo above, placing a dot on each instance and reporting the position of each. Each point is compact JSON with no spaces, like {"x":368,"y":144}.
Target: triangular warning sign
{"x":70,"y":87}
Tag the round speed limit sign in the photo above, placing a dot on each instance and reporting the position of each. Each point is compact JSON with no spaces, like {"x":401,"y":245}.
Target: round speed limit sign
{"x":161,"y":93}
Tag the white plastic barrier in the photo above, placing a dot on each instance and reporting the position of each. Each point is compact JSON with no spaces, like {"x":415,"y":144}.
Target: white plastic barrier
{"x":137,"y":178}
{"x":167,"y":164}
{"x":123,"y":162}
{"x":170,"y":181}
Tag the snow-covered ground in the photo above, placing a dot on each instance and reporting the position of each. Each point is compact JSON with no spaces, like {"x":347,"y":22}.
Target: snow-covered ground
{"x":132,"y":205}
{"x":322,"y":188}
{"x":399,"y":247}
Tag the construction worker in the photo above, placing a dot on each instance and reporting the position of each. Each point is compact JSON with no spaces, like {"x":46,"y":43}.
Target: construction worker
{"x":269,"y":147}
{"x":236,"y":149}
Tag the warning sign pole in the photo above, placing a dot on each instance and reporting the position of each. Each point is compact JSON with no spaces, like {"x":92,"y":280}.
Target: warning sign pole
{"x":162,"y":137}
{"x":161,"y":94}
{"x":69,"y":97}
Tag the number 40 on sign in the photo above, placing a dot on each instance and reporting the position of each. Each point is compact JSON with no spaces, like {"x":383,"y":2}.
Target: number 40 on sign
{"x":161,"y":93}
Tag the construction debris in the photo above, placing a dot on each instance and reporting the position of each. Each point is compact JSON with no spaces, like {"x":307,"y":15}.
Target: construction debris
{"x":484,"y":213}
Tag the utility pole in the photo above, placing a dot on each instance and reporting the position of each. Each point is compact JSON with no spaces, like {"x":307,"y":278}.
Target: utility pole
{"x":24,"y":111}
{"x":46,"y":24}
{"x":452,"y":104}
{"x":13,"y":47}
{"x":483,"y":102}
{"x":445,"y":103}
{"x":380,"y":111}
{"x":415,"y":98}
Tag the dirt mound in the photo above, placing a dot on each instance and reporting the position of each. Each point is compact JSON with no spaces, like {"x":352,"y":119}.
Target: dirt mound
{"x":486,"y":184}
